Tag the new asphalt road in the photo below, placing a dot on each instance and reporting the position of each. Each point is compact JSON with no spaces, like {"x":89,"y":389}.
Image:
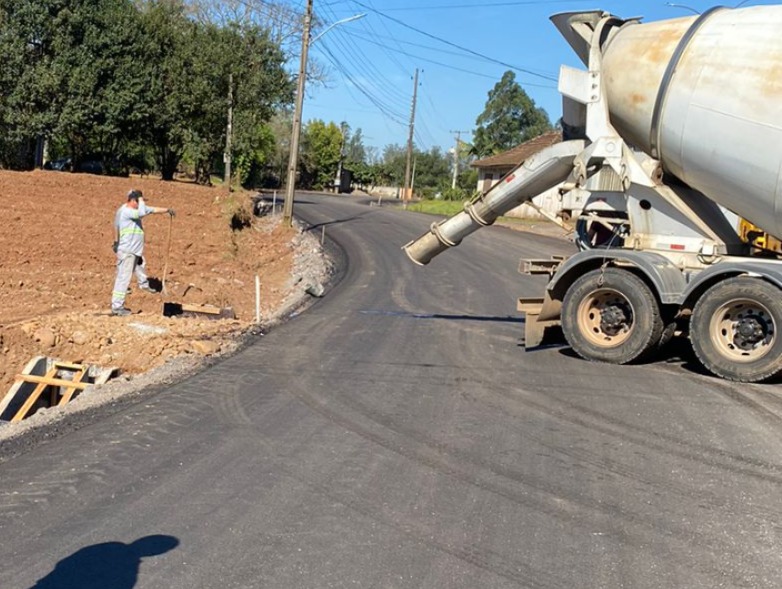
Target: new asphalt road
{"x":396,"y":434}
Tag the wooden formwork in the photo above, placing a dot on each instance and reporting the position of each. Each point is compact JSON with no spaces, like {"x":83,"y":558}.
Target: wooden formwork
{"x":47,"y":382}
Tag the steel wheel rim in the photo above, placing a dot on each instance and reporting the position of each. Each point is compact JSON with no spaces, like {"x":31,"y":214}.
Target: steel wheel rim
{"x":729,"y":328}
{"x":597,"y":318}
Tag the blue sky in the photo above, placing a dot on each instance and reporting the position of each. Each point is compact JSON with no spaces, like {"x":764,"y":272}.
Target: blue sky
{"x":371,"y":61}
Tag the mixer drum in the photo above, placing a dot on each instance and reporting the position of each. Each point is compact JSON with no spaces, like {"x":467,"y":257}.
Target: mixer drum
{"x":704,"y":96}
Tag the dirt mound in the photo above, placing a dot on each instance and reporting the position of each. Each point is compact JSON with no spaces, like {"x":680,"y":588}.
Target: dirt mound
{"x":57,"y":270}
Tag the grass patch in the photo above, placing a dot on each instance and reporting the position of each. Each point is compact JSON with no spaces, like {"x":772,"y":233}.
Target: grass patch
{"x":448,"y":208}
{"x":437,"y":207}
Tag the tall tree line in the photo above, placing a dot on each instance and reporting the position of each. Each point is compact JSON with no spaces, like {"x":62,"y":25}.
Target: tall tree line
{"x":136,"y":83}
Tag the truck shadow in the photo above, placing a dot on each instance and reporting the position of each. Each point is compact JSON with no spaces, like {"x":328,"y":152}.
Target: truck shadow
{"x":677,"y":354}
{"x":110,"y":564}
{"x":440,"y":316}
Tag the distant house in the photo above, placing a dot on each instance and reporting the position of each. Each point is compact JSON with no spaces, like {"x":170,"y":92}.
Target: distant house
{"x":492,"y":169}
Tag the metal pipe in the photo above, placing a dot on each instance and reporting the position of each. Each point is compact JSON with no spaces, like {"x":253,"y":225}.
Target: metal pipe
{"x":543,"y":171}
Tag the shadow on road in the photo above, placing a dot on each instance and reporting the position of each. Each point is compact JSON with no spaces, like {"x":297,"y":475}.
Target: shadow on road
{"x":409,"y":315}
{"x":335,"y":222}
{"x":100,"y":566}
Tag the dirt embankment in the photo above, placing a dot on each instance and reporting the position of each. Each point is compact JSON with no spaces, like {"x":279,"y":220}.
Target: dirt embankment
{"x":57,"y":270}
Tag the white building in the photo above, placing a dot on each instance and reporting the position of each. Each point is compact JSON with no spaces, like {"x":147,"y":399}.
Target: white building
{"x":492,"y":169}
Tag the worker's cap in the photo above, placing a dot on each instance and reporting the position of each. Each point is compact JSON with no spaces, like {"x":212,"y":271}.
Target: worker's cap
{"x":135,"y":194}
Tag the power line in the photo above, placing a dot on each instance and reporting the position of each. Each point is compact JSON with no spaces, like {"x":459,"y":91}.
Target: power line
{"x":485,"y":5}
{"x":385,"y":109}
{"x":364,"y":84}
{"x":465,"y":49}
{"x":356,"y":52}
{"x":445,"y":65}
{"x":367,"y":24}
{"x":368,"y":71}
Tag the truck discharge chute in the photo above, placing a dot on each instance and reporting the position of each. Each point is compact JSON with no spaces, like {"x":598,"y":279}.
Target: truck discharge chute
{"x":673,"y":143}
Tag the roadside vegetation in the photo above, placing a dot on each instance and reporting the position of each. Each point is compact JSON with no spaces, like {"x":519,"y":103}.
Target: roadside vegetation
{"x":146,"y":86}
{"x":448,"y":208}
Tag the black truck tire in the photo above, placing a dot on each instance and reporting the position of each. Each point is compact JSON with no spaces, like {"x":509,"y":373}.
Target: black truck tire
{"x":736,"y":329}
{"x":610,"y":315}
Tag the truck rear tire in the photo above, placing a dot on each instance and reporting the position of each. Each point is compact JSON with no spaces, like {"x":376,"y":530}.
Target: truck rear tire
{"x":611,"y":316}
{"x":735,"y":329}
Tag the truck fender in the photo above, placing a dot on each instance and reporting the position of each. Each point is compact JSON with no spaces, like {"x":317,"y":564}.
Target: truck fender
{"x":663,"y":276}
{"x":769,"y":270}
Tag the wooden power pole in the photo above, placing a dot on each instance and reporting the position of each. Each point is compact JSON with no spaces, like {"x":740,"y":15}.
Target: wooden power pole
{"x":408,"y":166}
{"x":293,"y":162}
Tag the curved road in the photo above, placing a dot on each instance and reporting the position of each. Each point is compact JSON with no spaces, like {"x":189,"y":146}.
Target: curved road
{"x":398,"y":435}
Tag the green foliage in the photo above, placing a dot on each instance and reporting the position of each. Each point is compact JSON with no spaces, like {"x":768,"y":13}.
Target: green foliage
{"x":128,"y":80}
{"x":255,"y":149}
{"x":432,"y":168}
{"x":366,"y":176}
{"x":468,"y":180}
{"x":27,"y":49}
{"x":354,"y":149}
{"x":198,"y":62}
{"x":320,"y":154}
{"x":455,"y":194}
{"x":509,"y":118}
{"x":100,"y":64}
{"x":393,"y":164}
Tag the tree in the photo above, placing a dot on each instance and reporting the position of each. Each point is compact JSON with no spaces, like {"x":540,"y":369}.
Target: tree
{"x":283,"y":21}
{"x":354,"y":149}
{"x":393,"y":164}
{"x":509,"y":118}
{"x":170,"y":36}
{"x":125,"y":80}
{"x":194,"y":65}
{"x":432,"y":168}
{"x":281,"y":126}
{"x":101,"y":64}
{"x":320,"y":153}
{"x":28,"y":41}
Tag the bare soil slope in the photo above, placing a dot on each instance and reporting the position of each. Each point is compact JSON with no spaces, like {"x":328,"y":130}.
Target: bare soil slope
{"x":57,"y":270}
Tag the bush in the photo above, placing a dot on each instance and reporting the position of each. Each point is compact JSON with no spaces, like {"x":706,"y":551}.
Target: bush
{"x":457,"y":194}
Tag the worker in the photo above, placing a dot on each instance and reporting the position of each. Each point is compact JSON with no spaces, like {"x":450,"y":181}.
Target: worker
{"x":129,"y":247}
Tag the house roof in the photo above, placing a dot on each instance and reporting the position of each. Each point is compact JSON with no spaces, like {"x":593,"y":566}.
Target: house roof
{"x":515,"y":156}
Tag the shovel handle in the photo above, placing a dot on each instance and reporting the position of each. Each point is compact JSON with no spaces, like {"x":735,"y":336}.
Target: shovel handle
{"x":168,"y":251}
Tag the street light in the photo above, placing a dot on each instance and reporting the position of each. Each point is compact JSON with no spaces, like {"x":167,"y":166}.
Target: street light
{"x":334,"y":24}
{"x":293,"y":162}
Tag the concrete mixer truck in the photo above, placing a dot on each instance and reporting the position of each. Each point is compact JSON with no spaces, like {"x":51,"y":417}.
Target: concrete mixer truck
{"x":675,"y":129}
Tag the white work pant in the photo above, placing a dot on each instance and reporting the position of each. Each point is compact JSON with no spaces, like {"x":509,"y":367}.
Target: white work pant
{"x":126,"y":265}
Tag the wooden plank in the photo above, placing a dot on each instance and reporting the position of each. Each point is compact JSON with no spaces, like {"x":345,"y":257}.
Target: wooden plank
{"x":55,"y":382}
{"x":209,"y":309}
{"x":66,"y":396}
{"x":68,"y":366}
{"x":43,"y":381}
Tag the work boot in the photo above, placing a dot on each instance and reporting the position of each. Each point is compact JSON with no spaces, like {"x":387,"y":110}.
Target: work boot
{"x":121,"y":312}
{"x":147,"y":288}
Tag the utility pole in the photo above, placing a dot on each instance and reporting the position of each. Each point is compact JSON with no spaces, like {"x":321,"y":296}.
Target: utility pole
{"x":229,"y":132}
{"x":456,"y":157}
{"x":407,"y":194}
{"x":338,"y":180}
{"x":293,"y":162}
